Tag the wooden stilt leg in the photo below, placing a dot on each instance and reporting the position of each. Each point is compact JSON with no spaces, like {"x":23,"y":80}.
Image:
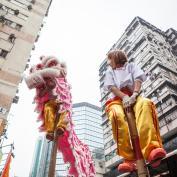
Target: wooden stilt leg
{"x":53,"y":157}
{"x":141,"y":166}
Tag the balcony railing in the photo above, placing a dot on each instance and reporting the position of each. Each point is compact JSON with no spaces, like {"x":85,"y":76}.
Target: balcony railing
{"x":6,"y":45}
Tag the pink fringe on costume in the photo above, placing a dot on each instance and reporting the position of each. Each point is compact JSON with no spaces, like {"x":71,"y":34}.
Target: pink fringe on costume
{"x":73,"y":150}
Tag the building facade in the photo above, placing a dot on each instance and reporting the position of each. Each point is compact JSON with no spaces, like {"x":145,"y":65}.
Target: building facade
{"x":87,"y":120}
{"x":39,"y":157}
{"x":155,"y":51}
{"x":20,"y":23}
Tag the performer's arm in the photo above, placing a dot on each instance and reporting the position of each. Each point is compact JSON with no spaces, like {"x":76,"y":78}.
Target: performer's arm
{"x":136,"y":91}
{"x":117,"y":92}
{"x":137,"y":86}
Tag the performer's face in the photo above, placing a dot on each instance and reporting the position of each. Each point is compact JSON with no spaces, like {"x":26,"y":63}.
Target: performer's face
{"x":111,"y":62}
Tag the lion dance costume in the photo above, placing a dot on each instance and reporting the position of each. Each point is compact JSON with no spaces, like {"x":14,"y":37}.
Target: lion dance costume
{"x":52,"y":89}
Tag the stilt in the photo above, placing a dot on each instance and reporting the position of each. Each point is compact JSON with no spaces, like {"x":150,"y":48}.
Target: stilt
{"x":141,"y":166}
{"x":54,"y":148}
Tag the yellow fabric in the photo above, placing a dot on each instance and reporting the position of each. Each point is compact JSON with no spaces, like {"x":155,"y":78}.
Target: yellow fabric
{"x":50,"y":109}
{"x":147,"y":125}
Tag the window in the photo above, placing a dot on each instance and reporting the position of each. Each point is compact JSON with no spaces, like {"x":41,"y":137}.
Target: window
{"x":3,"y":53}
{"x":15,"y":12}
{"x":12,"y":24}
{"x":8,"y":22}
{"x":19,"y":3}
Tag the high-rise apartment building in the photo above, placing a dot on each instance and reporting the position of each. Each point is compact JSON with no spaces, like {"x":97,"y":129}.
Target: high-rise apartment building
{"x":39,"y":157}
{"x":155,"y":51}
{"x":87,"y":120}
{"x":20,"y":23}
{"x":172,"y":39}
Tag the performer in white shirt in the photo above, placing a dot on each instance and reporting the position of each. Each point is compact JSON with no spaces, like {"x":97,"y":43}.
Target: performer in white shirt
{"x":124,"y":81}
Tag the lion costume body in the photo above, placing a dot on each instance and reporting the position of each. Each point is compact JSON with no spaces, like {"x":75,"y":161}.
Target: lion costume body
{"x":52,"y":88}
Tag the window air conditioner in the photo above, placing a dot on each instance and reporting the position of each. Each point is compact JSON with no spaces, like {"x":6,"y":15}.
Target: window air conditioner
{"x":15,"y":99}
{"x":33,"y":1}
{"x":16,"y":12}
{"x":30,"y":7}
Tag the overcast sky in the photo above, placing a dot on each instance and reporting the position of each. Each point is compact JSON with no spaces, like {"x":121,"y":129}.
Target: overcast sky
{"x":80,"y":32}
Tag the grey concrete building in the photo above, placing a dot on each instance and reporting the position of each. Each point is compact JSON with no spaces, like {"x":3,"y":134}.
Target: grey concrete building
{"x":155,"y":52}
{"x":172,"y":39}
{"x":20,"y":23}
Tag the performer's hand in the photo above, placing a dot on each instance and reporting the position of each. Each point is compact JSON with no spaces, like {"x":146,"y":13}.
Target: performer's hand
{"x":59,"y":102}
{"x":133,"y":98}
{"x":126,"y":101}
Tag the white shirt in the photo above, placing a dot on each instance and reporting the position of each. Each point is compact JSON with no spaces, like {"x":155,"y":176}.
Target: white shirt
{"x":124,"y":76}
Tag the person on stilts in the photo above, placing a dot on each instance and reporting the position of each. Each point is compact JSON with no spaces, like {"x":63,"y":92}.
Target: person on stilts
{"x":124,"y":81}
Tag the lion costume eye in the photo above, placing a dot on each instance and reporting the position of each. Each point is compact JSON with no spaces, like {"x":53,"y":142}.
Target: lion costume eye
{"x":39,"y":66}
{"x":51,"y":64}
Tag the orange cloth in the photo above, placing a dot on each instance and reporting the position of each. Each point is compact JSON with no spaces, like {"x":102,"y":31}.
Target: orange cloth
{"x":5,"y":172}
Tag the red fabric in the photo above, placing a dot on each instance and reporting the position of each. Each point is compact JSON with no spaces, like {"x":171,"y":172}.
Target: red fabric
{"x":5,"y":172}
{"x":136,"y":147}
{"x":125,"y":90}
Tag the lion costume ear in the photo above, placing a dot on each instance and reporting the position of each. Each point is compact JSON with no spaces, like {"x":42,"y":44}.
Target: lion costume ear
{"x":50,"y":59}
